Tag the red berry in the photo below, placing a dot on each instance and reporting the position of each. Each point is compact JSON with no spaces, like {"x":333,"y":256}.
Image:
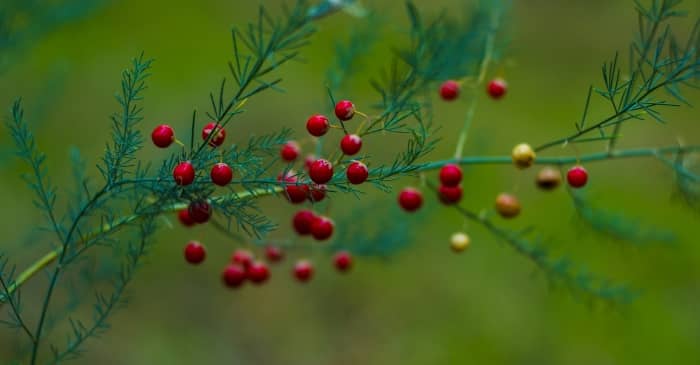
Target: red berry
{"x":318,"y":193}
{"x":449,"y":90}
{"x":184,"y":173}
{"x":351,"y":144}
{"x":163,"y":136}
{"x":497,"y":88}
{"x":296,"y":193}
{"x":234,"y":275}
{"x":308,"y":161}
{"x":303,"y":270}
{"x":290,"y":151}
{"x":321,"y":171}
{"x":194,"y":252}
{"x":273,"y":253}
{"x":219,"y":136}
{"x":322,"y":228}
{"x":357,"y":172}
{"x":242,"y":257}
{"x":410,"y":199}
{"x":184,"y":216}
{"x":344,"y":110}
{"x":342,"y":261}
{"x":577,"y":177}
{"x":221,"y":174}
{"x":318,"y":125}
{"x":199,"y":211}
{"x":450,"y":175}
{"x":450,"y":194}
{"x":302,"y":221}
{"x":258,"y":272}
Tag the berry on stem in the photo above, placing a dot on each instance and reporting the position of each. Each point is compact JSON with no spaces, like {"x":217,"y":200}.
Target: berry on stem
{"x":221,"y":174}
{"x":507,"y":205}
{"x":296,"y":193}
{"x":410,"y":199}
{"x":195,"y":252}
{"x":303,"y":271}
{"x":302,"y":221}
{"x":273,"y":253}
{"x":163,"y":136}
{"x":450,"y":194}
{"x":290,"y":151}
{"x":321,"y":171}
{"x":548,"y":178}
{"x":459,"y":242}
{"x":343,"y":261}
{"x":184,"y":216}
{"x":449,"y":90}
{"x":317,"y":125}
{"x":199,"y":211}
{"x":357,"y":172}
{"x":577,"y":177}
{"x":322,"y":228}
{"x":183,"y":173}
{"x":242,"y":257}
{"x":344,"y":110}
{"x":234,"y":275}
{"x":218,"y":138}
{"x":497,"y":88}
{"x":351,"y":144}
{"x":318,"y":192}
{"x":450,"y":175}
{"x":258,"y":272}
{"x":523,"y":155}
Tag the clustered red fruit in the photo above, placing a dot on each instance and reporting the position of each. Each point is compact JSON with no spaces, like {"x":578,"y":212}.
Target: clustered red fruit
{"x":290,"y":151}
{"x":302,"y":221}
{"x":345,"y":110}
{"x":342,"y":261}
{"x":184,"y":216}
{"x":184,"y":173}
{"x":357,"y":172}
{"x":321,"y":171}
{"x":295,"y":191}
{"x":274,"y":253}
{"x":318,"y":125}
{"x":219,"y":134}
{"x":163,"y":136}
{"x":199,"y":211}
{"x":303,"y":270}
{"x":577,"y":177}
{"x":449,"y":90}
{"x":410,"y":199}
{"x":450,"y":194}
{"x":497,"y":88}
{"x":195,"y":252}
{"x":351,"y":144}
{"x":450,"y":190}
{"x":221,"y":174}
{"x":322,"y":228}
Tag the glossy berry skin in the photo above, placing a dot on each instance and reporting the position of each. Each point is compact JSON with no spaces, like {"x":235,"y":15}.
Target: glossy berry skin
{"x":302,"y":221}
{"x":296,"y":193}
{"x":242,"y":257}
{"x":234,"y":275}
{"x":184,"y":217}
{"x":449,"y":90}
{"x":322,"y":228}
{"x":219,"y":136}
{"x":459,"y":242}
{"x":342,"y":261}
{"x":163,"y":136}
{"x":450,"y":194}
{"x":351,"y":144}
{"x":357,"y":172}
{"x":410,"y":199}
{"x":303,"y":271}
{"x":274,"y":253}
{"x":344,"y":110}
{"x":290,"y":151}
{"x":507,"y":205}
{"x":221,"y":174}
{"x":523,"y":156}
{"x":548,"y":178}
{"x":321,"y":171}
{"x":450,"y":175}
{"x":317,"y":125}
{"x":199,"y":211}
{"x":195,"y":252}
{"x":577,"y":177}
{"x":497,"y":88}
{"x":258,"y":272}
{"x":184,"y":173}
{"x":317,"y":193}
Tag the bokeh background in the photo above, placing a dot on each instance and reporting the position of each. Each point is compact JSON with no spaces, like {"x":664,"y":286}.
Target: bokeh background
{"x":424,"y":305}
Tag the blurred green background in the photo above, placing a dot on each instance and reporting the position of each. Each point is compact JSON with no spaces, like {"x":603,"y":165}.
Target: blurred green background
{"x":425,"y":305}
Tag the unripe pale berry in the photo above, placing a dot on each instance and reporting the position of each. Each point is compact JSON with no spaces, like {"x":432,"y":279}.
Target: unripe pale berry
{"x":184,"y":217}
{"x":199,"y":211}
{"x":322,"y":228}
{"x":219,"y":134}
{"x":163,"y":136}
{"x":302,"y":221}
{"x":321,"y":171}
{"x":342,"y":261}
{"x":449,"y":90}
{"x":577,"y":177}
{"x":317,"y":125}
{"x":195,"y":252}
{"x":459,"y":242}
{"x":450,"y":175}
{"x":303,"y":271}
{"x":410,"y":199}
{"x":344,"y":110}
{"x":242,"y":257}
{"x":450,"y":194}
{"x":273,"y":253}
{"x":290,"y":151}
{"x":351,"y":144}
{"x":523,"y":155}
{"x":507,"y":205}
{"x":221,"y":174}
{"x":184,"y":173}
{"x":234,"y":275}
{"x":497,"y":88}
{"x":318,"y":192}
{"x":258,"y":272}
{"x":548,"y":178}
{"x":357,"y":172}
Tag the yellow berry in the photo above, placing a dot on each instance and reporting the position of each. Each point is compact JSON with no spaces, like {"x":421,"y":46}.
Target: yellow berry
{"x":523,"y":156}
{"x":459,"y":242}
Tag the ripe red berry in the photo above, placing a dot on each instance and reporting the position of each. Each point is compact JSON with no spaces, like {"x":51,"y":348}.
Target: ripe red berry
{"x":242,"y":257}
{"x":318,"y":192}
{"x":296,"y":193}
{"x":273,"y":253}
{"x":318,"y":125}
{"x":351,"y":144}
{"x":450,"y":175}
{"x":357,"y":172}
{"x":303,"y":270}
{"x":302,"y":221}
{"x":184,"y":216}
{"x":450,"y":194}
{"x":234,"y":275}
{"x":199,"y":211}
{"x":322,"y":228}
{"x":194,"y":252}
{"x":410,"y":199}
{"x":290,"y":151}
{"x":344,"y":110}
{"x":449,"y":90}
{"x":577,"y":177}
{"x":258,"y":272}
{"x":219,"y":134}
{"x":507,"y":205}
{"x":342,"y":261}
{"x":321,"y":171}
{"x":221,"y":174}
{"x":163,"y":136}
{"x":497,"y":88}
{"x":184,"y":173}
